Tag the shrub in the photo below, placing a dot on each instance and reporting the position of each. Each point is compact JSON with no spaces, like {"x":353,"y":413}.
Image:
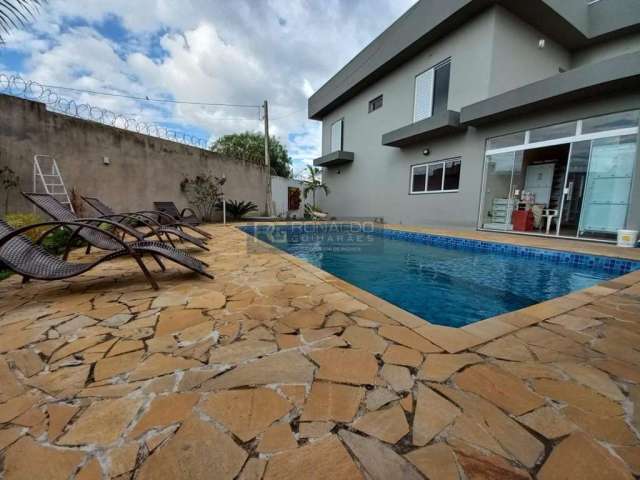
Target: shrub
{"x":55,"y":242}
{"x":203,"y":193}
{"x":239,"y":209}
{"x":19,"y":220}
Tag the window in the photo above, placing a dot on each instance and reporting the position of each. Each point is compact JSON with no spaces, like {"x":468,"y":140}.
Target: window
{"x":506,"y":141}
{"x":569,"y":132}
{"x":375,"y":104}
{"x":561,"y":130}
{"x":442,"y":176}
{"x":419,"y":178}
{"x":441,"y":87}
{"x":432,"y":91}
{"x":610,"y":122}
{"x":336,"y":136}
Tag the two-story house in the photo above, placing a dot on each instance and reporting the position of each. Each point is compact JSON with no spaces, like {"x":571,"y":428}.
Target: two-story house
{"x":504,"y":115}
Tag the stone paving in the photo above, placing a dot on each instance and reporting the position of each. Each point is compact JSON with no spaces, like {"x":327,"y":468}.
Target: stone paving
{"x":276,"y":370}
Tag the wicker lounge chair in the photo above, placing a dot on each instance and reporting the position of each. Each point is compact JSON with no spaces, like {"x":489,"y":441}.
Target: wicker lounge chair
{"x":186,"y":215}
{"x":29,"y":259}
{"x":147,"y":219}
{"x":57,"y":211}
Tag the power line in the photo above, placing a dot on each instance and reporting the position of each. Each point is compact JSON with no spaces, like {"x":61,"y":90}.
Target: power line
{"x":147,"y":99}
{"x":162,"y":100}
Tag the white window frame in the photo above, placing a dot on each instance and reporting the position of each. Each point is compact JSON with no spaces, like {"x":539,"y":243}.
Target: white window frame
{"x":426,"y":181}
{"x":431,"y":73}
{"x":426,"y":96}
{"x":331,"y":139}
{"x":578,"y":136}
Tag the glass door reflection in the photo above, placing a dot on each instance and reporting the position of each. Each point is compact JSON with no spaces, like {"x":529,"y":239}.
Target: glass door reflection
{"x":499,"y":198}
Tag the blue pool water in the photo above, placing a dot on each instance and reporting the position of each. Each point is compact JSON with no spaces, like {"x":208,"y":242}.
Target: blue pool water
{"x":446,"y":281}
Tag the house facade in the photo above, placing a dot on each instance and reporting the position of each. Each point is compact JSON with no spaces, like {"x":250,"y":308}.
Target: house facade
{"x":496,"y":115}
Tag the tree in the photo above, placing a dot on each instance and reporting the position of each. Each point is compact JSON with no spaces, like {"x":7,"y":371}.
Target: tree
{"x":314,"y":183}
{"x":16,"y":13}
{"x":249,"y":146}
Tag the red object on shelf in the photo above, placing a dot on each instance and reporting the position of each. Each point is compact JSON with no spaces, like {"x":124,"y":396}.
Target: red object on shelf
{"x":522,"y":220}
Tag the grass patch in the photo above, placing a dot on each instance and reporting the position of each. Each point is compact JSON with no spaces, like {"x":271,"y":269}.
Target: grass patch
{"x":4,"y":274}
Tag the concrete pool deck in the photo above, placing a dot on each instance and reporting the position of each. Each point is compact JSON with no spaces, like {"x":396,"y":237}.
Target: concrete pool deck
{"x":276,"y":369}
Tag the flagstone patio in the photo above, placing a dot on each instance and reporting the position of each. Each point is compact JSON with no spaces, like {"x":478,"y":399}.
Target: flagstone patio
{"x":277,"y":370}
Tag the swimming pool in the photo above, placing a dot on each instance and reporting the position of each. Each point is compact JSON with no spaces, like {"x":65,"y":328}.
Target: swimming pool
{"x":445,"y":280}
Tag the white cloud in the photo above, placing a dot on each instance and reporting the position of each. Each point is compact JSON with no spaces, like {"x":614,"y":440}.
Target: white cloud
{"x":240,"y":52}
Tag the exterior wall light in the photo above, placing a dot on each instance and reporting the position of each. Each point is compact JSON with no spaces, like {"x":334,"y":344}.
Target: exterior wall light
{"x":426,"y":152}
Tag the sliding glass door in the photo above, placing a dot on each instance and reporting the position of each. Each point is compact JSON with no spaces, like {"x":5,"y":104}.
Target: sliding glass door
{"x":502,"y":172}
{"x":608,"y":186}
{"x":574,"y":188}
{"x":574,"y":178}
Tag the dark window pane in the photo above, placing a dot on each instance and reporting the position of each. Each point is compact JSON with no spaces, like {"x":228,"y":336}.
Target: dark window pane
{"x":419,"y":179}
{"x":441,"y":88}
{"x":375,"y":104}
{"x":434,"y":182}
{"x":610,"y":122}
{"x":552,"y":132}
{"x":510,"y":140}
{"x":452,"y":174}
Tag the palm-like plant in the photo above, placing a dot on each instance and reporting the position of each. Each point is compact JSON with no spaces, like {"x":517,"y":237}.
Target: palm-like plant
{"x":313,"y":184}
{"x":239,"y":209}
{"x":16,"y":14}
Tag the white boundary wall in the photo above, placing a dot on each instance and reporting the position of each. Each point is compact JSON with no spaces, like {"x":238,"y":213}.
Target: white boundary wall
{"x":279,"y":191}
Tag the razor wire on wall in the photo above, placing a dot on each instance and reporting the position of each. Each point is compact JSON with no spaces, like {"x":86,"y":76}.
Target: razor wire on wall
{"x":30,"y":90}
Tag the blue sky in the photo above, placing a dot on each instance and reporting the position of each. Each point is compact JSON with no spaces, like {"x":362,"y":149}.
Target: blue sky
{"x":214,"y":51}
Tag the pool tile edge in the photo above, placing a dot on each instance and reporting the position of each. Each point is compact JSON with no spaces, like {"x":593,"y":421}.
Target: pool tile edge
{"x":454,"y":340}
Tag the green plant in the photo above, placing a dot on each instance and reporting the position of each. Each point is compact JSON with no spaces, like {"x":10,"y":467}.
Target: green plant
{"x":313,"y":183}
{"x":16,"y":13}
{"x":203,"y":193}
{"x":249,"y":146}
{"x":4,"y":274}
{"x":55,"y":242}
{"x":238,"y":209}
{"x":9,"y":180}
{"x":19,"y":220}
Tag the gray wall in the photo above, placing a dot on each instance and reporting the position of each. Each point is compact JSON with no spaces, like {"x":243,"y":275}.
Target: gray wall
{"x":142,"y":169}
{"x":607,"y":50}
{"x":377,"y":182}
{"x":516,"y":58}
{"x":379,"y":185}
{"x":469,"y":48}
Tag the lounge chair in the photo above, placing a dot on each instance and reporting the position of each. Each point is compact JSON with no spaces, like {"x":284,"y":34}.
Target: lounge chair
{"x":187,"y":215}
{"x":52,"y":207}
{"x":146,"y":218}
{"x":29,"y":259}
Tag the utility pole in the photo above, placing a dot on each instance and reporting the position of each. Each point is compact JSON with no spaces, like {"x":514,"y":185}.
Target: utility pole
{"x":267,"y":160}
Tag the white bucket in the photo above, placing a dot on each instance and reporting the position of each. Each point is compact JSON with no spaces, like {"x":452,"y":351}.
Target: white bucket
{"x":627,"y":238}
